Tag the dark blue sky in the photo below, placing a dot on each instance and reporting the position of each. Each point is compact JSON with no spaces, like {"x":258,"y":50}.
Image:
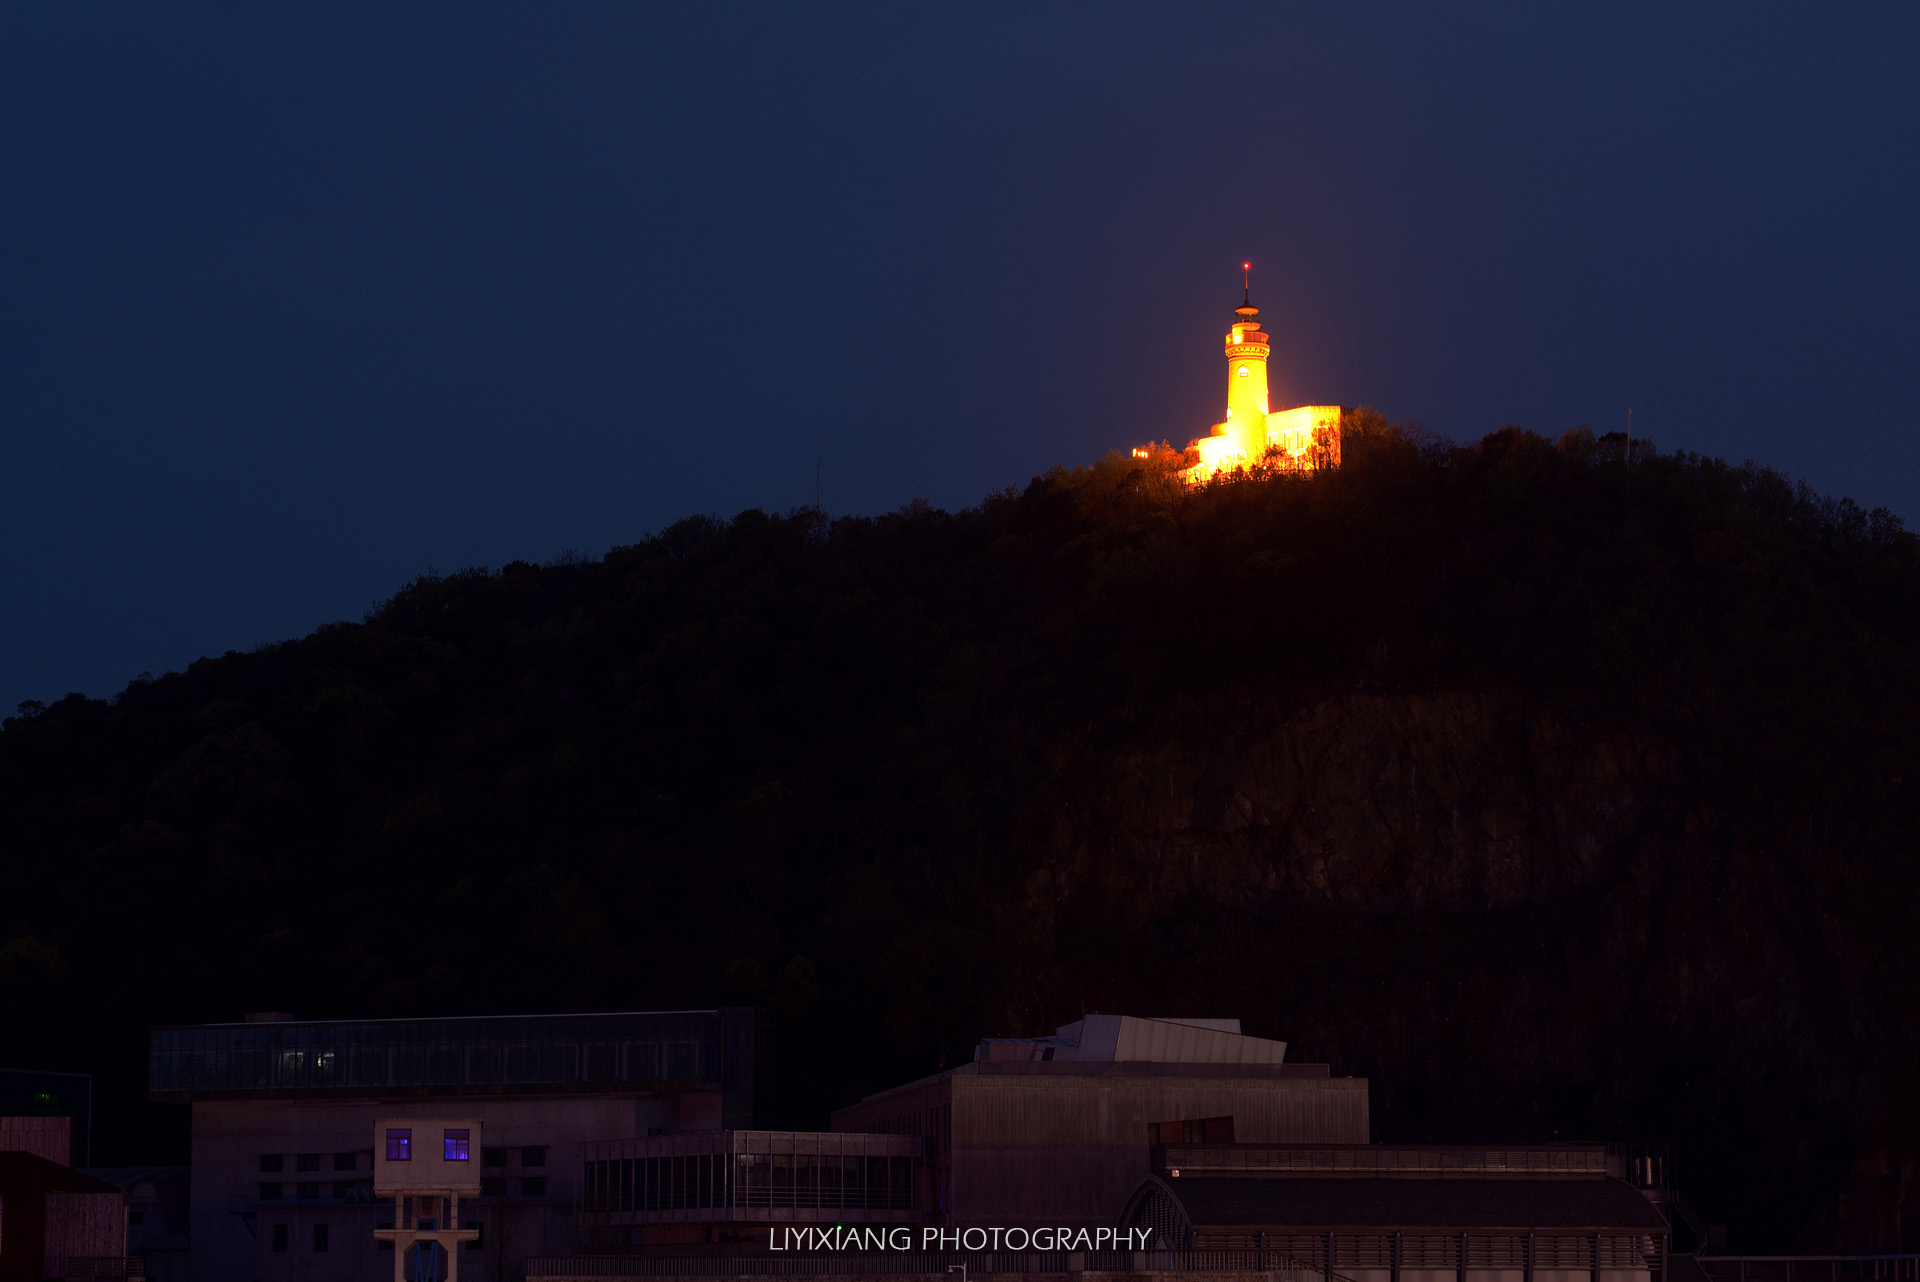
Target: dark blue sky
{"x":297,"y":302}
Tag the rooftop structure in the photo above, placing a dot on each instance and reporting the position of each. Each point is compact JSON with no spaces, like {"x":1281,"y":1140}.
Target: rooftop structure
{"x":1017,"y":1137}
{"x":1110,"y":1039}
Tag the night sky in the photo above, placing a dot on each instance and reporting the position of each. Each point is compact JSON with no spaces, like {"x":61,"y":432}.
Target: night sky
{"x":297,"y":302}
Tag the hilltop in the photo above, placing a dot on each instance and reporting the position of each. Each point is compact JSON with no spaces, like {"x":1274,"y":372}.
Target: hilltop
{"x":1558,"y":796}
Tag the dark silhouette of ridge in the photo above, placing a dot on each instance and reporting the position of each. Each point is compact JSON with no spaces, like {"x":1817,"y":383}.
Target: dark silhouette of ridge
{"x":1556,"y":805}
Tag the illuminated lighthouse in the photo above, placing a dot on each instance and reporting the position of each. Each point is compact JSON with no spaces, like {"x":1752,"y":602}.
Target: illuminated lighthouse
{"x":1298,"y":439}
{"x":1247,"y":349}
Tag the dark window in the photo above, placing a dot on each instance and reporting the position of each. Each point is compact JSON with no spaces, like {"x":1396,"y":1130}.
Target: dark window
{"x":279,"y":1237}
{"x":384,"y":1244}
{"x":309,"y":1188}
{"x":268,"y":1192}
{"x":493,"y":1186}
{"x":530,"y":1157}
{"x":343,"y":1189}
{"x":456,"y":1146}
{"x":319,"y":1237}
{"x":346,"y":1161}
{"x":534,"y":1186}
{"x":136,"y":1218}
{"x":399,"y":1144}
{"x":272,"y":1162}
{"x":492,"y":1156}
{"x":306,"y":1162}
{"x":479,"y":1228}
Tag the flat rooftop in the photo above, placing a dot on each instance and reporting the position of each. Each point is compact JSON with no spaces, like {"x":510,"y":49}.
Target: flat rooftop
{"x":1114,"y":1068}
{"x":1388,"y":1161}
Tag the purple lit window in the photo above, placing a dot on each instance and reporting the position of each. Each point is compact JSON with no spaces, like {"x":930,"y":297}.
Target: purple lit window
{"x":399,"y":1145}
{"x":456,"y":1146}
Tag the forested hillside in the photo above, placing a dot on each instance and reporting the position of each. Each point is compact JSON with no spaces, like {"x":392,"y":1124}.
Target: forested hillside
{"x":1558,"y":797}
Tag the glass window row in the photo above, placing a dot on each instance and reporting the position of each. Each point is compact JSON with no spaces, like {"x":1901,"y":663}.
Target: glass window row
{"x":247,"y":1067}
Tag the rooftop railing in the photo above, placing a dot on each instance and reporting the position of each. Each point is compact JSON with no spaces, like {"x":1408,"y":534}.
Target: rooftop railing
{"x":85,"y":1268}
{"x":1377,"y":1160}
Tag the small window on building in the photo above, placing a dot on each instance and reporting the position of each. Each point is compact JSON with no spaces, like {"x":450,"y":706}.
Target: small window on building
{"x":269,"y":1192}
{"x":319,"y":1237}
{"x":308,"y":1189}
{"x":342,"y":1189}
{"x":399,"y":1144}
{"x":456,"y":1150}
{"x":493,"y":1156}
{"x":279,"y":1237}
{"x":534,"y":1186}
{"x":136,"y":1218}
{"x":306,"y":1162}
{"x":272,"y":1162}
{"x":493,"y":1186}
{"x":533,"y":1157}
{"x":346,"y":1161}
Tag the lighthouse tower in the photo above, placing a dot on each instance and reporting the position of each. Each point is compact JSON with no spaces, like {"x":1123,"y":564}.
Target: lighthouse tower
{"x":1303,"y":438}
{"x":1247,"y":348}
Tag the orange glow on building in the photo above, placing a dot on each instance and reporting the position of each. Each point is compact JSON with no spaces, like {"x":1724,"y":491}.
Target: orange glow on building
{"x":1253,"y":435}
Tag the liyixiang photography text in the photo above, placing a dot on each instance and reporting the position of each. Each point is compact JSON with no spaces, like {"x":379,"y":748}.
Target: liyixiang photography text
{"x":853,"y":1237}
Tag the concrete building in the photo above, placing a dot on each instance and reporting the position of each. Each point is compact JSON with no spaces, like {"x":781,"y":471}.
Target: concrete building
{"x":1055,"y":1130}
{"x":284,"y":1112}
{"x":1132,"y":1149}
{"x":1404,"y":1213}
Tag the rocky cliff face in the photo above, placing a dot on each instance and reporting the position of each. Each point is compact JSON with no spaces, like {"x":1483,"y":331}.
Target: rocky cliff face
{"x":1518,"y":921}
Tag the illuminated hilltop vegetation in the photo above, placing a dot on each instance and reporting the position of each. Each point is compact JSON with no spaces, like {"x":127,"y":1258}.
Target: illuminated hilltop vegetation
{"x":1556,"y":798}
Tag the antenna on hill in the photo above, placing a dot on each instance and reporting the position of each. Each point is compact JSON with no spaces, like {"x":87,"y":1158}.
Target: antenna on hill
{"x":1629,"y":460}
{"x":1246,"y":282}
{"x":816,"y":484}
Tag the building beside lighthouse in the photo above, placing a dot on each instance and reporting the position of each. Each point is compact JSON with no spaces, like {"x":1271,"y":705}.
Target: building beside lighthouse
{"x":1299,"y":439}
